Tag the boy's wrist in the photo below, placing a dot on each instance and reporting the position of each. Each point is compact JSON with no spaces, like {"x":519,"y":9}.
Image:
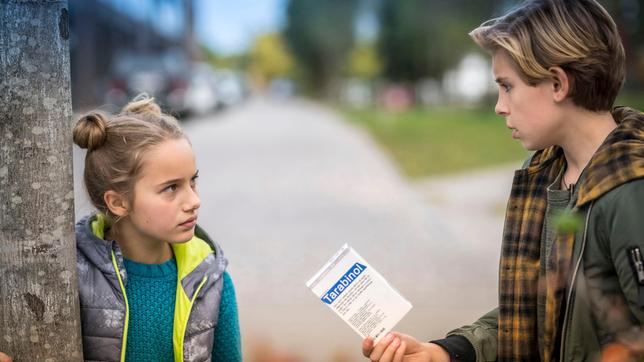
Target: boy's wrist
{"x":457,"y":347}
{"x":438,"y":353}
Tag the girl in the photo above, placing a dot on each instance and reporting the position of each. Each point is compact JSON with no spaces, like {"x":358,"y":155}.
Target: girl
{"x":152,"y":284}
{"x":564,"y":293}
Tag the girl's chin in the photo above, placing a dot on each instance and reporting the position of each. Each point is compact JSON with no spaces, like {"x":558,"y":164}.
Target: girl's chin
{"x":182,"y":238}
{"x":179,"y":241}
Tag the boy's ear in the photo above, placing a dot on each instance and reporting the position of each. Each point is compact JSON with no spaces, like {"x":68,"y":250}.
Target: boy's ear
{"x":560,"y":83}
{"x":116,"y":203}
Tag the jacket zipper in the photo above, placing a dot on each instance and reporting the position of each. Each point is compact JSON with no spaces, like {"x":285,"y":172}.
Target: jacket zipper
{"x":127,"y":306}
{"x":572,"y":285}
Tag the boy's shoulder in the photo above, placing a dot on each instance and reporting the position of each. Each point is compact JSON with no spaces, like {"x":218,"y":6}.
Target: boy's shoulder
{"x":628,"y":193}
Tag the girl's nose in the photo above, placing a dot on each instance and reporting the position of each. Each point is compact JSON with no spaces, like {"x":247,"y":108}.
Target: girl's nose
{"x":193,"y":202}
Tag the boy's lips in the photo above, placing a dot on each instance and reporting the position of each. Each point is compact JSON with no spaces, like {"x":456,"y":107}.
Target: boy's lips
{"x":515,"y":133}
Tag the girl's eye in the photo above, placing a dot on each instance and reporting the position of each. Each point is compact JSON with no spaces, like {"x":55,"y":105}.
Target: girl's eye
{"x":193,"y":181}
{"x":506,"y":87}
{"x":170,"y":188}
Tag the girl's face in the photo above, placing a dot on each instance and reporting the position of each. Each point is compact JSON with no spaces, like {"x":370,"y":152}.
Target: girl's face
{"x":529,"y":111}
{"x":165,"y":195}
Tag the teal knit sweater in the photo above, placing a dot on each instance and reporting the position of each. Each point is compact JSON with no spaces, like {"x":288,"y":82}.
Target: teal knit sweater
{"x":151,"y":291}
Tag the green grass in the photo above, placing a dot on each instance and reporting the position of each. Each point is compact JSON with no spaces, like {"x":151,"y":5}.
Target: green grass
{"x":631,"y":98}
{"x":427,"y":142}
{"x":431,"y":141}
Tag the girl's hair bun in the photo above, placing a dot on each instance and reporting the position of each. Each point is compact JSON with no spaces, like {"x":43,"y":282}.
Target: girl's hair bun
{"x":90,"y":131}
{"x":142,"y":105}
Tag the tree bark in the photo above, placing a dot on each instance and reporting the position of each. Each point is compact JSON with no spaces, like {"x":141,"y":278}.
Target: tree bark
{"x":39,"y":311}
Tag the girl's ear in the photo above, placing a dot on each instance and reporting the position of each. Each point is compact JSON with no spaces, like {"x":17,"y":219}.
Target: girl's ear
{"x":560,"y":84}
{"x":116,"y":203}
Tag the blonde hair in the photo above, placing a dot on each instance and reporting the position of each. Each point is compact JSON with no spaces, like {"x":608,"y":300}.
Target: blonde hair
{"x":577,"y":35}
{"x":116,"y":145}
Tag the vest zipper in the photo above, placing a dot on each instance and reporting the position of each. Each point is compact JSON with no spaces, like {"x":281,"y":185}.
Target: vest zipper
{"x":127,"y":306}
{"x":203,"y":281}
{"x":185,"y":327}
{"x":572,"y":285}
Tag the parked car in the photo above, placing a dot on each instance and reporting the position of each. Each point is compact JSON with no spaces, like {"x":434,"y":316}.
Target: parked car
{"x":202,"y":95}
{"x":231,"y":87}
{"x":163,"y":75}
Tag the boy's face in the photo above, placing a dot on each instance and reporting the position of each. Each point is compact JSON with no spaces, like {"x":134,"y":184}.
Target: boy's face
{"x":529,"y":111}
{"x":165,"y":201}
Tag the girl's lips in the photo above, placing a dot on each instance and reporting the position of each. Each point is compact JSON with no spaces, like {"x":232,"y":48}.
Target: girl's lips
{"x":189,"y":223}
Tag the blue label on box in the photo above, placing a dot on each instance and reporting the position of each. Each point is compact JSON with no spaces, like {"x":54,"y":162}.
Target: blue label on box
{"x":349,"y":277}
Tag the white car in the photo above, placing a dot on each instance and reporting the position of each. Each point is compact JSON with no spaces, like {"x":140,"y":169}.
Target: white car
{"x":201,"y":95}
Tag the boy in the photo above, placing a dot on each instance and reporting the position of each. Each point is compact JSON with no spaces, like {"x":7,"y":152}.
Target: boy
{"x":563,"y":294}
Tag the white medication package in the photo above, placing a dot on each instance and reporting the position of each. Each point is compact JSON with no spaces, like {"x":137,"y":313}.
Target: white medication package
{"x":357,"y":293}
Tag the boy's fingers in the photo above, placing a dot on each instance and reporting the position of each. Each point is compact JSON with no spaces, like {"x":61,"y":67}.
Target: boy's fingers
{"x":378,"y":350}
{"x":367,"y":346}
{"x":388,"y":354}
{"x":400,"y":352}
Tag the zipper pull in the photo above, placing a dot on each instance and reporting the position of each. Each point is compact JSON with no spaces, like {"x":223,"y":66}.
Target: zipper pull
{"x":638,"y":265}
{"x":635,"y":257}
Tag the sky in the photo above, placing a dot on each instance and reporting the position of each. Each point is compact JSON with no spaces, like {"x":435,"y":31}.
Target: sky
{"x":230,"y":26}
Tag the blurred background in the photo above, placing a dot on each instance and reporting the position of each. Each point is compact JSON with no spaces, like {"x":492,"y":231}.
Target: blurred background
{"x":319,"y":123}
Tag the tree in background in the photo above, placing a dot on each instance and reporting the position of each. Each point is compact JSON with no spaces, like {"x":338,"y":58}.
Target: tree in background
{"x":404,"y":42}
{"x":235,"y":61}
{"x":269,"y":59}
{"x":629,"y":17}
{"x":320,"y":35}
{"x":364,"y":61}
{"x":415,"y":41}
{"x":422,"y":39}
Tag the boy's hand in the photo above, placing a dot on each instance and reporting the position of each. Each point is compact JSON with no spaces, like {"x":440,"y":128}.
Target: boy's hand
{"x":400,"y":347}
{"x":5,"y":358}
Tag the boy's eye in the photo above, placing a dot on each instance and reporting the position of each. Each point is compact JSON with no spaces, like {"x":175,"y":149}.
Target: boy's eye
{"x":506,"y":87}
{"x":193,"y":181}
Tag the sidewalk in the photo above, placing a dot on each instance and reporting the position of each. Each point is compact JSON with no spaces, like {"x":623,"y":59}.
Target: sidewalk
{"x":472,"y":204}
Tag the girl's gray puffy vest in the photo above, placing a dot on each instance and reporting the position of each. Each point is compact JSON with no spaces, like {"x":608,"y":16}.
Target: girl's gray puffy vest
{"x":104,"y":305}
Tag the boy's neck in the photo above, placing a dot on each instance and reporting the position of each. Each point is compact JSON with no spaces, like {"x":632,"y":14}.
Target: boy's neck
{"x":136,"y":247}
{"x":585,"y":132}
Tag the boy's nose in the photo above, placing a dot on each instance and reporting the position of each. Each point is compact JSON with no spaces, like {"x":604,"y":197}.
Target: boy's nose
{"x":500,"y":108}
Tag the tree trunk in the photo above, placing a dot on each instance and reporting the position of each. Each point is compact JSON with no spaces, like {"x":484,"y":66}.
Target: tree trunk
{"x":39,"y":311}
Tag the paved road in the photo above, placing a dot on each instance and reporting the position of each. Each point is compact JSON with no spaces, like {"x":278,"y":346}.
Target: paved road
{"x":284,"y":185}
{"x":472,"y":204}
